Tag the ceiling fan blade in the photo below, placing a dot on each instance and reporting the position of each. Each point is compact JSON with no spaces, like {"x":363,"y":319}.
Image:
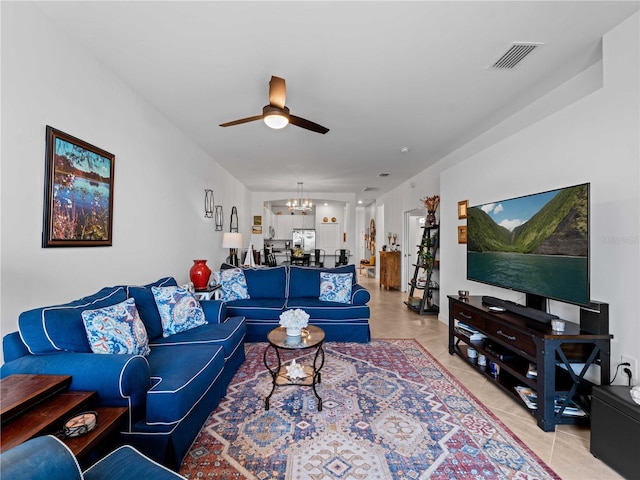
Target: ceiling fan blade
{"x":242,"y":120}
{"x":308,"y":124}
{"x":277,"y":92}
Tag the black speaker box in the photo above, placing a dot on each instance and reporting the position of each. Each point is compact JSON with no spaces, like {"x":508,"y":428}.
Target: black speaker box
{"x":615,"y":429}
{"x":595,"y":318}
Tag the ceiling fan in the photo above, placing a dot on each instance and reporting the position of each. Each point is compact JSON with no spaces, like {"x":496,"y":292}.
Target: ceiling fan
{"x":276,"y":115}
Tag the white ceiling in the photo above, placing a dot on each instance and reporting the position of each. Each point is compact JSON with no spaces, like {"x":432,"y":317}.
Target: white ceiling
{"x":380,"y":75}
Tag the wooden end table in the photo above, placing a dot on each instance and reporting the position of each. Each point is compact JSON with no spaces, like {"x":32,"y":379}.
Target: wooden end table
{"x":35,"y":405}
{"x":208,"y":293}
{"x":312,"y":337}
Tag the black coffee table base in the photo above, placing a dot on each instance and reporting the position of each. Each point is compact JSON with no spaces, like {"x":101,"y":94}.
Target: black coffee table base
{"x":313,"y":337}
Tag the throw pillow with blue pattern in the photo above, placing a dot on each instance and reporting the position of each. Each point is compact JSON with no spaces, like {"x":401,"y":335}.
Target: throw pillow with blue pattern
{"x":335,"y":287}
{"x":179,"y":309}
{"x":116,"y":329}
{"x":233,"y":284}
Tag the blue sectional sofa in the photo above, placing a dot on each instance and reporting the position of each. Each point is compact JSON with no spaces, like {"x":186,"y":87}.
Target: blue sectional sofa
{"x":170,"y":392}
{"x":274,"y":290}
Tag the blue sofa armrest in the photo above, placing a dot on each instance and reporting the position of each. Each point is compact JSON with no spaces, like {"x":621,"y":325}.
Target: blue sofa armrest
{"x":127,"y":463}
{"x":47,"y":457}
{"x":359,"y":295}
{"x":13,"y":347}
{"x":119,"y":380}
{"x":41,"y":457}
{"x":215,"y":311}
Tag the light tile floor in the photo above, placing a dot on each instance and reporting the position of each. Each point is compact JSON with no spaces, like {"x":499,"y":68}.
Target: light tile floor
{"x":566,"y":450}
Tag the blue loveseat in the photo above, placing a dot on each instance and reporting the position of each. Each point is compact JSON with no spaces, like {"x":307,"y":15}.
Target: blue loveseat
{"x":169,"y":393}
{"x":274,"y":290}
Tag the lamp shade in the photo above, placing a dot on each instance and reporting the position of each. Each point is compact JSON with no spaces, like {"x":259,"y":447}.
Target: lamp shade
{"x":231,"y":240}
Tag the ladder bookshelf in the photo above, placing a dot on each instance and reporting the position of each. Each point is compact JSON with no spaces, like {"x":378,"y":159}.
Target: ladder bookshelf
{"x":427,"y":304}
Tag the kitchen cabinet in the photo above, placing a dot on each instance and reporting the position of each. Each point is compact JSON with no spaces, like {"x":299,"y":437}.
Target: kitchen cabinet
{"x":284,"y":226}
{"x":268,"y":222}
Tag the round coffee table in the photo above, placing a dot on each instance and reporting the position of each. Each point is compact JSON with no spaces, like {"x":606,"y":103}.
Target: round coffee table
{"x":312,"y":337}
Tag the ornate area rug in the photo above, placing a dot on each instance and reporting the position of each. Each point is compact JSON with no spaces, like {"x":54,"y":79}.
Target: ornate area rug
{"x":390,"y":411}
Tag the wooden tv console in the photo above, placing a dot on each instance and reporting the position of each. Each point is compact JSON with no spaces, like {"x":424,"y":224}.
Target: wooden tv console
{"x":515,"y":343}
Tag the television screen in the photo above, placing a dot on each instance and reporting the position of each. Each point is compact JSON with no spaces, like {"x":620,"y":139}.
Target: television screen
{"x":536,"y":244}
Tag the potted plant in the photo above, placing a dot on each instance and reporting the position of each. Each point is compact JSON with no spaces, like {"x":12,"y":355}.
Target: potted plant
{"x":431,"y":204}
{"x":425,"y":257}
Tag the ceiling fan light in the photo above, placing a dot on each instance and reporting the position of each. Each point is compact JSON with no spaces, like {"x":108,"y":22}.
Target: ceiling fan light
{"x":276,"y":120}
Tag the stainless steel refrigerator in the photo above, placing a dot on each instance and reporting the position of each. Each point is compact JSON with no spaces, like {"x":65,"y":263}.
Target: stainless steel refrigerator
{"x":304,"y":238}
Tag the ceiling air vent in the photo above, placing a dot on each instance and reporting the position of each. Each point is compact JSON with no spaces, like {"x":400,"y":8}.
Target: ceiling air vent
{"x":516,"y":53}
{"x":382,"y":175}
{"x":371,"y":189}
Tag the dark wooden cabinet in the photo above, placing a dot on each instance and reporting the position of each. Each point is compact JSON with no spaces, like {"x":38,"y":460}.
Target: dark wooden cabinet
{"x":518,"y":346}
{"x":390,"y":270}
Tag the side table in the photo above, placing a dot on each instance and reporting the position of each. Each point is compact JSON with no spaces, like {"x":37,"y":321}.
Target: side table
{"x":312,"y":337}
{"x":207,"y":293}
{"x":23,"y":418}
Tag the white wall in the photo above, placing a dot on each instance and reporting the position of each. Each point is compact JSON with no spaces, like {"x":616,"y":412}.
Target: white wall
{"x":160,"y":176}
{"x":593,"y":139}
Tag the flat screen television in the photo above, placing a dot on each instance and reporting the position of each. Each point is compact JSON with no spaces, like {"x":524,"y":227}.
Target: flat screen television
{"x":536,"y":244}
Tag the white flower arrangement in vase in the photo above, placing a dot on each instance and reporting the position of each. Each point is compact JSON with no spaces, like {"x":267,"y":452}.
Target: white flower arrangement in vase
{"x":294,"y":321}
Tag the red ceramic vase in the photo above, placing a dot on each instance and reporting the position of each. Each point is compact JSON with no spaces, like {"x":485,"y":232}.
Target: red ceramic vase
{"x":199,"y":274}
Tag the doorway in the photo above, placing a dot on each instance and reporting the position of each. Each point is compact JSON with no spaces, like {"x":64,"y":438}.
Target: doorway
{"x":412,"y":235}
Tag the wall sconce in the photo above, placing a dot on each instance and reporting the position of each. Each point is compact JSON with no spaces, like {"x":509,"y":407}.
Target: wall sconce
{"x":233,"y":224}
{"x":219,"y":218}
{"x":208,"y":203}
{"x":232,"y":241}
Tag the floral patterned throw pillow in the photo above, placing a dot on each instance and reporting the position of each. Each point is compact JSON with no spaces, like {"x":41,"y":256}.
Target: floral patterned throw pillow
{"x":179,"y":309}
{"x":335,"y":287}
{"x":233,"y":284}
{"x":116,"y":329}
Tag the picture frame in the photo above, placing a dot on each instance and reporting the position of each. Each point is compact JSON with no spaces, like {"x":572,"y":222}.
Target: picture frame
{"x":462,"y":234}
{"x":256,"y":230}
{"x":78,"y":193}
{"x":462,"y":209}
{"x":257,"y":219}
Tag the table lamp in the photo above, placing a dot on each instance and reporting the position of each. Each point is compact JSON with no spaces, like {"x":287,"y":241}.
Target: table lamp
{"x":232,"y":241}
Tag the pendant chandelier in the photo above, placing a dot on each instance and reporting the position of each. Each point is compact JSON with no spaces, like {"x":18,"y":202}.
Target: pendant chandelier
{"x":300,"y":204}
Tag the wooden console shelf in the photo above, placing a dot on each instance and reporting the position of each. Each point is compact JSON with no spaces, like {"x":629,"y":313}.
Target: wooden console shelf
{"x":34,"y":405}
{"x":515,"y":343}
{"x":20,"y":392}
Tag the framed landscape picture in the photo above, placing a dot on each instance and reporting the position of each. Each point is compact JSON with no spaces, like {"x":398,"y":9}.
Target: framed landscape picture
{"x":462,"y":234}
{"x":78,"y":193}
{"x":462,"y":209}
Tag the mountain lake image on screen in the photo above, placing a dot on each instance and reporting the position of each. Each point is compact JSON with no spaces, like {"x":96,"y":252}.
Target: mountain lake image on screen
{"x":536,"y":244}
